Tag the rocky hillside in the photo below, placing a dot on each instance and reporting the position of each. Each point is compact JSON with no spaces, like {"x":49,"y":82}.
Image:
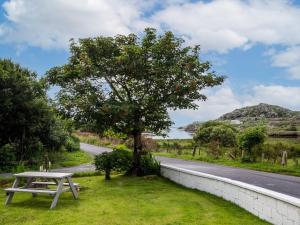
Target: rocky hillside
{"x":278,"y":120}
{"x":260,"y":111}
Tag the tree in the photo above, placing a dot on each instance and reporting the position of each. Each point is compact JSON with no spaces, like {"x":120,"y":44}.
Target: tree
{"x":127,"y":83}
{"x":28,"y":124}
{"x":217,"y":134}
{"x":250,"y":139}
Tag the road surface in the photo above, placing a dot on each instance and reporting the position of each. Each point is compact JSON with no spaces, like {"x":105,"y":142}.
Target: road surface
{"x":289,"y":185}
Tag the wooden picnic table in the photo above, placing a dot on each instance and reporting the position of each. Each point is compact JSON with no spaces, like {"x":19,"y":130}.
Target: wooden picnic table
{"x":32,"y":185}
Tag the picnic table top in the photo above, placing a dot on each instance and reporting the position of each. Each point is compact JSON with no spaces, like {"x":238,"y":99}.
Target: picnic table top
{"x":43,"y":174}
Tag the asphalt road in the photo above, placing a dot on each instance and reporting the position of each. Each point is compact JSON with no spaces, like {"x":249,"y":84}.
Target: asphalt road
{"x":289,"y":185}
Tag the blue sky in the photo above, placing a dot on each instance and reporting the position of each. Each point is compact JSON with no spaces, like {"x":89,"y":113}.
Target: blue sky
{"x":255,"y":43}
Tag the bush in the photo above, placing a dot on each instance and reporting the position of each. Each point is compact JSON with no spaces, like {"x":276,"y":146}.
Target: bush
{"x":121,"y":147}
{"x":150,"y":165}
{"x":7,"y":157}
{"x":117,"y":160}
{"x":250,"y":139}
{"x":121,"y":161}
{"x":72,"y":144}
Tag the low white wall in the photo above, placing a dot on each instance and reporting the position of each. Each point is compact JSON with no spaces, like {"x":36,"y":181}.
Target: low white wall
{"x":274,"y":207}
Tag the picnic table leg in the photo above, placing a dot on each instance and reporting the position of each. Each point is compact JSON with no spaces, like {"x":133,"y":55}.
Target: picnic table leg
{"x":28,"y":184}
{"x":11,"y":194}
{"x":58,"y":192}
{"x":73,"y":189}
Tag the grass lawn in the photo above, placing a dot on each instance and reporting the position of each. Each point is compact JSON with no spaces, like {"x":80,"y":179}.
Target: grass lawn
{"x":125,"y":200}
{"x":67,"y":159}
{"x":290,"y":169}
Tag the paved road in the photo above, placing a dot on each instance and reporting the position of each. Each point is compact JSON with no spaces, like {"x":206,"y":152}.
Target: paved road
{"x":289,"y":185}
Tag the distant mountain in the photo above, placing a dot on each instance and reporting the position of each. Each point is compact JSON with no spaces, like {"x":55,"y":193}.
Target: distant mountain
{"x":260,"y":111}
{"x":278,"y":120}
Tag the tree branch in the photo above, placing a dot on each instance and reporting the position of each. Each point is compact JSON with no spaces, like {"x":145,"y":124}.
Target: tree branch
{"x":114,"y":89}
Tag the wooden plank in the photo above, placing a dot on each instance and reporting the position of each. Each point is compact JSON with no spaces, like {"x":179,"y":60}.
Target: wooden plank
{"x":58,"y":192}
{"x":73,"y":189}
{"x":30,"y":190}
{"x":43,"y":175}
{"x":51,"y":183}
{"x":11,"y":194}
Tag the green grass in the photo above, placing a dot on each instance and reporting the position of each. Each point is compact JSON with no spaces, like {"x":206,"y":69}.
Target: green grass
{"x":125,"y":201}
{"x":58,"y":160}
{"x":67,"y":159}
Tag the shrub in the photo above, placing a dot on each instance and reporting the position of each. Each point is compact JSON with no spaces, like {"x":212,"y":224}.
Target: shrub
{"x":72,"y":144}
{"x":121,"y":161}
{"x":121,"y":147}
{"x":250,"y":139}
{"x":117,"y":160}
{"x":150,"y":165}
{"x":216,"y":135}
{"x":7,"y":157}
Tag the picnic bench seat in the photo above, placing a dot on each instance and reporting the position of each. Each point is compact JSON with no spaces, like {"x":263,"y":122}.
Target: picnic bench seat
{"x":30,"y":190}
{"x":53,"y":183}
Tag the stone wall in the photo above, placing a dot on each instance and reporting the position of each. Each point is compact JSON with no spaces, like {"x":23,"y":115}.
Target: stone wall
{"x":274,"y":207}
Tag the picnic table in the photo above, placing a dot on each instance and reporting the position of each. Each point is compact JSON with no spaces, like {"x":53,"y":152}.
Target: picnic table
{"x":37,"y":183}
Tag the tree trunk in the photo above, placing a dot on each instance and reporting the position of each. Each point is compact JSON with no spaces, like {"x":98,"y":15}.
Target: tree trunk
{"x":194,"y":150}
{"x":107,"y":174}
{"x":137,"y":150}
{"x":284,"y":158}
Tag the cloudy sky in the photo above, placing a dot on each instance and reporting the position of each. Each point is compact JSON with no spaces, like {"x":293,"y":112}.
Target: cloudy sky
{"x":255,"y":43}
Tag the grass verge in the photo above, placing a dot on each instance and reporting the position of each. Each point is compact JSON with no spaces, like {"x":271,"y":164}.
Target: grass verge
{"x":67,"y":159}
{"x":265,"y":167}
{"x":125,"y":200}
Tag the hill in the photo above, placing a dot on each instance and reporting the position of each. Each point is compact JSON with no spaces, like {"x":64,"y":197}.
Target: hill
{"x":260,"y":111}
{"x":279,"y":121}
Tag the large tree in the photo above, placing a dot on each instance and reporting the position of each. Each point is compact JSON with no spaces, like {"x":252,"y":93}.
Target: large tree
{"x":28,"y":123}
{"x":127,"y":83}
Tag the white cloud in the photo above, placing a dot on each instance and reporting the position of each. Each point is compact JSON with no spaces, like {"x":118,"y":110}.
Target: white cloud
{"x":223,"y":100}
{"x":285,"y":96}
{"x":289,"y":59}
{"x":222,"y":25}
{"x":218,"y":26}
{"x":49,"y":24}
{"x":220,"y":101}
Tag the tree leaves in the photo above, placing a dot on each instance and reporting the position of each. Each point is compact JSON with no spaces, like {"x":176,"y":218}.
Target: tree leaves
{"x":128,"y":83}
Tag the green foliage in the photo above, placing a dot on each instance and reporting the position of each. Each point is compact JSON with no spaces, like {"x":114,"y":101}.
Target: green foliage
{"x":117,"y":160}
{"x":250,"y":140}
{"x":127,"y":84}
{"x":7,"y":157}
{"x":222,"y":133}
{"x":292,"y":127}
{"x":149,"y":165}
{"x":27,"y":121}
{"x":121,"y":147}
{"x":110,"y":133}
{"x":72,"y":144}
{"x":121,"y":161}
{"x":251,"y":137}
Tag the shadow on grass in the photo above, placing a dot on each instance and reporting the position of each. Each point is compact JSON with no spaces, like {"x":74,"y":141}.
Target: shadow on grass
{"x":42,"y":202}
